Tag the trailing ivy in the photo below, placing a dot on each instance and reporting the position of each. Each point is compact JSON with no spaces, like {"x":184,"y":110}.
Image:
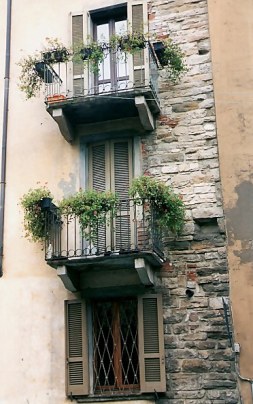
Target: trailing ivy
{"x":91,"y":207}
{"x":34,"y":217}
{"x":168,"y":205}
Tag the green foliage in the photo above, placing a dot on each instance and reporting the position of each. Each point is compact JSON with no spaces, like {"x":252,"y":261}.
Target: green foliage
{"x":131,"y":42}
{"x":169,"y":206}
{"x":173,"y":60}
{"x":34,"y":217}
{"x":90,"y":55}
{"x":91,"y":207}
{"x":55,"y":51}
{"x":29,"y":80}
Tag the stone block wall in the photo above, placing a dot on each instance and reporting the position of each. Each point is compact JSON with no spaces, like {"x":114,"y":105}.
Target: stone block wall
{"x":183,"y":153}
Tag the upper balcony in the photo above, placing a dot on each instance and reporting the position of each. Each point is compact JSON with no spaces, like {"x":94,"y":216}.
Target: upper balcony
{"x":124,"y":85}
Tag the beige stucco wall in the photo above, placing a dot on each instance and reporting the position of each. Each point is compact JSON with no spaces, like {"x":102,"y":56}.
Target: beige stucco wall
{"x":31,"y":296}
{"x":231,"y":29}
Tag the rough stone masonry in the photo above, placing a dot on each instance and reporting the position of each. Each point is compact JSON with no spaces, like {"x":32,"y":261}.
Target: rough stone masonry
{"x":183,"y":152}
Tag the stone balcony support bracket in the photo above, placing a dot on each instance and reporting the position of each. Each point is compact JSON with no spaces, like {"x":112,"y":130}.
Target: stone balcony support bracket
{"x":144,"y":271}
{"x":144,"y":112}
{"x":64,"y":125}
{"x":62,"y":272}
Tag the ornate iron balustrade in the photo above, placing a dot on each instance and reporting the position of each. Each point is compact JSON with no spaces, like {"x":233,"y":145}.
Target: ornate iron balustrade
{"x":118,"y":72}
{"x":132,"y":228}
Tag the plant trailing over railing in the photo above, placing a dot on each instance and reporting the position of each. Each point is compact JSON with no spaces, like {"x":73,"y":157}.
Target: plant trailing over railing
{"x":171,"y":57}
{"x":55,"y":52}
{"x":168,"y":205}
{"x":30,"y":81}
{"x":92,"y":55}
{"x":34,"y":217}
{"x":34,"y":70}
{"x":91,"y":208}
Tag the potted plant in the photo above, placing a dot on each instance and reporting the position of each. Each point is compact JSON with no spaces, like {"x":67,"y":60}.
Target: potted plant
{"x":30,"y":79}
{"x":171,"y":57}
{"x":91,"y":208}
{"x":33,"y":203}
{"x":132,"y":42}
{"x":91,"y":55}
{"x":55,"y":52}
{"x":168,"y":206}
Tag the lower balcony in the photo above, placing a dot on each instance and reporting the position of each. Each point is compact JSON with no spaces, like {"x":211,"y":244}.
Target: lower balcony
{"x":118,"y":256}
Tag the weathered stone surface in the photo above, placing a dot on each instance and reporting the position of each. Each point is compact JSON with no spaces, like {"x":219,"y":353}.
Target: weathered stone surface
{"x":183,"y":153}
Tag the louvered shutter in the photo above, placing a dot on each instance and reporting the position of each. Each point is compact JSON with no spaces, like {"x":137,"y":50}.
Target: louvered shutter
{"x":77,"y":380}
{"x":121,"y":167}
{"x":100,"y":181}
{"x":98,"y":167}
{"x":151,"y":344}
{"x":77,"y":39}
{"x":137,"y":19}
{"x":121,"y":173}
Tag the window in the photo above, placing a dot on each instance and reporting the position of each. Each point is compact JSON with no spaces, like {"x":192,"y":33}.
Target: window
{"x":115,"y":73}
{"x":115,"y":346}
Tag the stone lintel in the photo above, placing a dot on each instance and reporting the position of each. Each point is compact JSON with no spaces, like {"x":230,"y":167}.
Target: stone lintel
{"x":62,"y":272}
{"x":144,"y":271}
{"x":64,"y":125}
{"x":144,"y":112}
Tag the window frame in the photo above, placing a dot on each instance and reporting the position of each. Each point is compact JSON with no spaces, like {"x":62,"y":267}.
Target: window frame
{"x":145,"y":324}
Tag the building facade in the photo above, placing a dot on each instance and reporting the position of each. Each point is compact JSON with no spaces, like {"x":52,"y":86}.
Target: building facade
{"x":147,"y":319}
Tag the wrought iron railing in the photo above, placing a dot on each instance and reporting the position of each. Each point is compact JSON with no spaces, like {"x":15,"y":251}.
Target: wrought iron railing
{"x":133,"y":227}
{"x":118,"y":72}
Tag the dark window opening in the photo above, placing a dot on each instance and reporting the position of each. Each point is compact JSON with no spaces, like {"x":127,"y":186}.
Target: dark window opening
{"x":115,"y":346}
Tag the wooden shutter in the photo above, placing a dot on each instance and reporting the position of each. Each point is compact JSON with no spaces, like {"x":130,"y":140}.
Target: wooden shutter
{"x":137,"y":21}
{"x":151,"y":344}
{"x":121,"y":175}
{"x":76,"y":348}
{"x":77,"y":39}
{"x":98,"y":167}
{"x":121,"y":167}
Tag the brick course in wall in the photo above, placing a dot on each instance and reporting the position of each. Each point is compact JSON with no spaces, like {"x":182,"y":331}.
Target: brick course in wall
{"x":183,"y":153}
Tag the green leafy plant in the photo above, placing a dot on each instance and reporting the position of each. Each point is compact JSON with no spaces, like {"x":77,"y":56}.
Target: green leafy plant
{"x":172,"y":58}
{"x":30,"y":81}
{"x":131,"y":42}
{"x":90,"y":55}
{"x":91,"y":207}
{"x":168,"y":205}
{"x":34,"y":217}
{"x":55,"y":52}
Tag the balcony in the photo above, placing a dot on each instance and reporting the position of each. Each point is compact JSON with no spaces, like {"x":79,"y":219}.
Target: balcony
{"x":118,"y":256}
{"x":126,"y":86}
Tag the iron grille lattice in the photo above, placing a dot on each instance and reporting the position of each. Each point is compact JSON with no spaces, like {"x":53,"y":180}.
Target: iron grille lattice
{"x":115,"y":347}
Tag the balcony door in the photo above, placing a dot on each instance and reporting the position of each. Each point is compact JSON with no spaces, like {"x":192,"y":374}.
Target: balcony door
{"x":113,"y":71}
{"x":110,"y":169}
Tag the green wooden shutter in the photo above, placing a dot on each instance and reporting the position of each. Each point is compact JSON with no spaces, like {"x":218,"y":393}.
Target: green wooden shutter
{"x":77,"y":39}
{"x":138,"y":57}
{"x":99,"y":179}
{"x":77,"y":380}
{"x":151,"y":344}
{"x":121,"y":174}
{"x":121,"y":167}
